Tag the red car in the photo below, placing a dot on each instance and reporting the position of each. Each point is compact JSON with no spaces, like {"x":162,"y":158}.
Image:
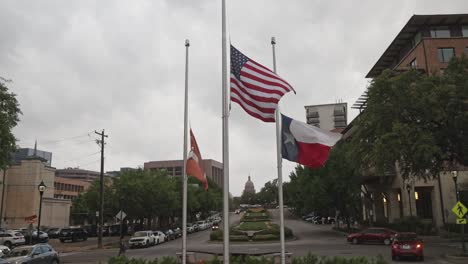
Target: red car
{"x":407,"y":245}
{"x":373,"y":235}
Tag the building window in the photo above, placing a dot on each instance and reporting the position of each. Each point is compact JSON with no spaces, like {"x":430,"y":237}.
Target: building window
{"x":446,"y":54}
{"x":442,"y":32}
{"x":465,"y":31}
{"x":414,"y":64}
{"x":417,"y":38}
{"x":466,"y":50}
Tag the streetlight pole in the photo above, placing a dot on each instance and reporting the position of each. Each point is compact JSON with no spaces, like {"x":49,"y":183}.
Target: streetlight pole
{"x":462,"y":226}
{"x":41,"y":187}
{"x":408,"y":188}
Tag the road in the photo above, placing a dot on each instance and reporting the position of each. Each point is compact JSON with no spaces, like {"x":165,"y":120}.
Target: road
{"x":316,"y":239}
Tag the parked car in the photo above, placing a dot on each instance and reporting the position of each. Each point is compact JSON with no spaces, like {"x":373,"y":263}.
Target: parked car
{"x":201,"y":225}
{"x":4,"y":250}
{"x":373,"y":235}
{"x":237,"y":211}
{"x":12,"y":238}
{"x":196,"y":227}
{"x":159,"y":236}
{"x":190,"y":228}
{"x":142,"y":239}
{"x":73,"y":234}
{"x":43,"y":237}
{"x":31,"y":254}
{"x":169,"y":234}
{"x":53,"y":232}
{"x":177,"y":232}
{"x":407,"y":245}
{"x":215,"y":226}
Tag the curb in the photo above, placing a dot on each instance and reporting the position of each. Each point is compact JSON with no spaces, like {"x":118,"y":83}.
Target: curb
{"x":456,"y":257}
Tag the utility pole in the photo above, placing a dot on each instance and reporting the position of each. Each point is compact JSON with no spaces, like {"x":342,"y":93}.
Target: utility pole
{"x":101,"y":188}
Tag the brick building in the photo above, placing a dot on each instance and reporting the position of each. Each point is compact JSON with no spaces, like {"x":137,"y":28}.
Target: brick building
{"x":213,"y":168}
{"x":426,"y":43}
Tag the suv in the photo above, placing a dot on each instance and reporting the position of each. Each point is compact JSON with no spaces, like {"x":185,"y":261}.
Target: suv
{"x":73,"y":234}
{"x":142,"y":239}
{"x":11,"y":238}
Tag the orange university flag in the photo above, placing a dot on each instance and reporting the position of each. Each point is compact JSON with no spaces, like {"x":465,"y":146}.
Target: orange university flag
{"x":194,"y":159}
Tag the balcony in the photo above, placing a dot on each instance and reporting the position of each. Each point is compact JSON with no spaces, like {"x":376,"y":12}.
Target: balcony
{"x":313,"y":121}
{"x":312,"y":115}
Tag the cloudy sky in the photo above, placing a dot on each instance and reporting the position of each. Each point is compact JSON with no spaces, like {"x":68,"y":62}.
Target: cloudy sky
{"x":80,"y":66}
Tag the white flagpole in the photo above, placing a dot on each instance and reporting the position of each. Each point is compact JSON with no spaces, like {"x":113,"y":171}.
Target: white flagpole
{"x":280,"y":164}
{"x":225,"y":137}
{"x":184,"y":178}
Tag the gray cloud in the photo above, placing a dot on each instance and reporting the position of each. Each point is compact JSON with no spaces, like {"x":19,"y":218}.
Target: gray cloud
{"x":78,"y":66}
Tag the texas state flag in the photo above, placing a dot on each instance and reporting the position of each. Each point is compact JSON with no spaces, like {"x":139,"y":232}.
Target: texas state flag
{"x":305,"y":144}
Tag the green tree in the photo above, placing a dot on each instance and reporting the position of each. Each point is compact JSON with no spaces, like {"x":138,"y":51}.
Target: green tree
{"x":415,"y":121}
{"x":9,"y":118}
{"x":335,"y":187}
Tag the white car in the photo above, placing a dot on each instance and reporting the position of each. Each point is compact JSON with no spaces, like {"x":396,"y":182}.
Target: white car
{"x":4,"y":250}
{"x":11,"y":238}
{"x":142,"y":239}
{"x":201,"y":225}
{"x":190,"y":228}
{"x":159,"y":236}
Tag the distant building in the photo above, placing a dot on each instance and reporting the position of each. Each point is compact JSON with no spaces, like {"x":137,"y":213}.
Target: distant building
{"x":69,"y":189}
{"x":330,"y":117}
{"x":78,"y":174}
{"x":122,"y":170}
{"x":25,"y":153}
{"x":213,"y":168}
{"x":249,"y":186}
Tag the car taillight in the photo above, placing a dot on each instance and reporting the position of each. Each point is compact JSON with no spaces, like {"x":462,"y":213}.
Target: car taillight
{"x":396,"y":246}
{"x":418,"y":246}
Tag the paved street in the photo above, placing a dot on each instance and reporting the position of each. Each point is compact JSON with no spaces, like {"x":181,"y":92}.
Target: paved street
{"x":317,"y":239}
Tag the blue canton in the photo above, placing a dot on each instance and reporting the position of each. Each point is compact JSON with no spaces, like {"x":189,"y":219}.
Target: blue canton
{"x":237,"y":62}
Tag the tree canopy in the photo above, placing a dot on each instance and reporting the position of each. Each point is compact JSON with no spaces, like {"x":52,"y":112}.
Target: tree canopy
{"x":148,"y":195}
{"x":416,"y":121}
{"x":9,"y":118}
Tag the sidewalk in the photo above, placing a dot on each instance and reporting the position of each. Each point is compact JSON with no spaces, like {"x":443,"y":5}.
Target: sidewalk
{"x":89,"y":244}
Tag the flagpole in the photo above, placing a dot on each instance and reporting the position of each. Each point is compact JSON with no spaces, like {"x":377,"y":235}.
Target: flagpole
{"x":225,"y":137}
{"x":184,"y":178}
{"x":280,"y":164}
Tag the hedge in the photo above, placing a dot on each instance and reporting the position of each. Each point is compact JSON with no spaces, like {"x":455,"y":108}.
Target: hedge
{"x":308,"y":259}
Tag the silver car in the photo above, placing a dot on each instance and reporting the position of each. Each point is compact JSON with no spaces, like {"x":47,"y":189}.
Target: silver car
{"x":39,"y":253}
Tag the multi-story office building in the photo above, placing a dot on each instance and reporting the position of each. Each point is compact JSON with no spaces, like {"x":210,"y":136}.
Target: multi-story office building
{"x":78,"y":174}
{"x":69,"y":189}
{"x":213,"y":168}
{"x":24,"y":153}
{"x":327,"y":116}
{"x":426,"y":43}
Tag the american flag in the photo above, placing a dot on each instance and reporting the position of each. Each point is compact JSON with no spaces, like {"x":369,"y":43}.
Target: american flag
{"x":255,"y":88}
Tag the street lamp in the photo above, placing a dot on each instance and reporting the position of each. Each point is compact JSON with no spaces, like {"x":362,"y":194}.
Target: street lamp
{"x":408,"y":188}
{"x":41,"y":187}
{"x":454,"y":177}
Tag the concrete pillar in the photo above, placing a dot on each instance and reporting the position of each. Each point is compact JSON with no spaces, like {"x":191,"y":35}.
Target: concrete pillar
{"x":393,"y":205}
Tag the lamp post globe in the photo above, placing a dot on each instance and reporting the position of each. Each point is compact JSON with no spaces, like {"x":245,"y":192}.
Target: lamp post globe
{"x":41,"y":187}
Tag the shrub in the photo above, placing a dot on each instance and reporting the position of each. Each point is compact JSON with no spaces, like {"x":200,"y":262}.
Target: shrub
{"x":216,"y":235}
{"x":253,"y":226}
{"x":265,"y":237}
{"x":238,"y":238}
{"x":125,"y":260}
{"x":312,"y":259}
